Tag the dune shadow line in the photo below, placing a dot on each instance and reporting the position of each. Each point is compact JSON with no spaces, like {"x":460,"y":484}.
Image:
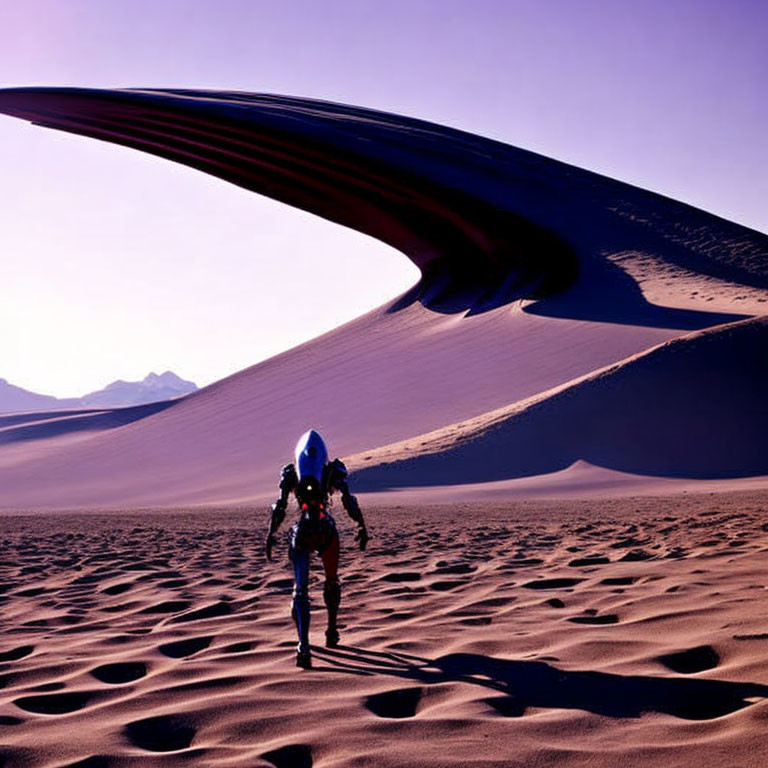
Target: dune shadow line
{"x":68,"y":422}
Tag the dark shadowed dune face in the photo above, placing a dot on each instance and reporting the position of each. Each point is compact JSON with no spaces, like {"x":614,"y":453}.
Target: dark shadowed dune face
{"x":15,"y":429}
{"x":693,"y":408}
{"x":487,"y":223}
{"x":429,"y":191}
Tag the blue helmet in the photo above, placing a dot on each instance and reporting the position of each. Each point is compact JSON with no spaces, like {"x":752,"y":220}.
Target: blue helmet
{"x":311,"y":458}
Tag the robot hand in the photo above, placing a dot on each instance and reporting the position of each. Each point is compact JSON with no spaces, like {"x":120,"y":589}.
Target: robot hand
{"x":271,"y":541}
{"x":361,"y":537}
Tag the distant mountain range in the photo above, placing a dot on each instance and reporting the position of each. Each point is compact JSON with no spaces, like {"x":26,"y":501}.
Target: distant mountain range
{"x":151,"y":389}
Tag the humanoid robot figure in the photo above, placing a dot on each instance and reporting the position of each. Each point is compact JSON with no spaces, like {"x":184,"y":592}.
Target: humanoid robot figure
{"x":313,"y":480}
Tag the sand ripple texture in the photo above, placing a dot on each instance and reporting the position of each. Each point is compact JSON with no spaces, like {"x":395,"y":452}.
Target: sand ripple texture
{"x":607,"y":633}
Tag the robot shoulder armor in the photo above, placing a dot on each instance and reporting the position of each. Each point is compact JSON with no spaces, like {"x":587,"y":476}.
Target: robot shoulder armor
{"x":288,"y":477}
{"x":337,"y":473}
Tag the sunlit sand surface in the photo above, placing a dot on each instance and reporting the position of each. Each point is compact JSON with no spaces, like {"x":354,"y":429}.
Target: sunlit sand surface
{"x":534,"y":633}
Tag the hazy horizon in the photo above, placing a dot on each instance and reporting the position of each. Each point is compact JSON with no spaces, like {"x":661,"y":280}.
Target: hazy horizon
{"x":116,"y":263}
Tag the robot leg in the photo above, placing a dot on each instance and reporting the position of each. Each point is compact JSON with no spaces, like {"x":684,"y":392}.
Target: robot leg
{"x":332,"y":597}
{"x":300,"y":610}
{"x":331,"y":589}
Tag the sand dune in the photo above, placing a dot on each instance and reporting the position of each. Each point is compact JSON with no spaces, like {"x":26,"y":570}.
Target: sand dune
{"x":570,"y":336}
{"x":692,"y":407}
{"x":534,"y":273}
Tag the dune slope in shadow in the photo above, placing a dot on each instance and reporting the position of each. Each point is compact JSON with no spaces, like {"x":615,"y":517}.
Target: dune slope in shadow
{"x":693,"y":407}
{"x":46,"y":425}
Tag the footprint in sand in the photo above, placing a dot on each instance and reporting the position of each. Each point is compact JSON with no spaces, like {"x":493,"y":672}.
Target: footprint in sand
{"x":9,"y":720}
{"x":636,"y":555}
{"x":117,"y":589}
{"x":491,"y":602}
{"x":165,"y":733}
{"x":120,"y":672}
{"x":455,"y":568}
{"x":552,"y":583}
{"x":692,"y":660}
{"x":285,"y":585}
{"x":243,"y":647}
{"x":445,"y":586}
{"x":477,"y":621}
{"x":397,"y":704}
{"x":402,"y":576}
{"x":179,"y":649}
{"x":582,"y":562}
{"x":31,"y":592}
{"x":94,"y":761}
{"x":48,"y":687}
{"x":169,"y":606}
{"x":606,"y":618}
{"x":212,"y":611}
{"x":291,"y":756}
{"x":56,"y":703}
{"x":173,"y":583}
{"x":17,"y":653}
{"x":619,"y":581}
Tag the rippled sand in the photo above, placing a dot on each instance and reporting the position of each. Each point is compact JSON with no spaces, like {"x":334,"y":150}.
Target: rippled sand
{"x":628,"y":632}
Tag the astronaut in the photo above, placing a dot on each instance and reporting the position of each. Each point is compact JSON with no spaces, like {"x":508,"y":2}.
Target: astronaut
{"x":313,"y":480}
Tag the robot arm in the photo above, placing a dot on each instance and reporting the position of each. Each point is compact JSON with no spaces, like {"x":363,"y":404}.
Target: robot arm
{"x":337,"y":479}
{"x":288,"y":482}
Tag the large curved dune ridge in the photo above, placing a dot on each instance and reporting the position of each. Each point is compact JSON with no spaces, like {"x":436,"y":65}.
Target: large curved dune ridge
{"x":535,"y":274}
{"x":557,"y":435}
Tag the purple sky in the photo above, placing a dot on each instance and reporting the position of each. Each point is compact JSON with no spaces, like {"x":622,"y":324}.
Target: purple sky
{"x":115,"y":263}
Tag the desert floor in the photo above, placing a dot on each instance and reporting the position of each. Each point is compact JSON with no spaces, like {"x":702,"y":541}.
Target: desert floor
{"x":609,"y":632}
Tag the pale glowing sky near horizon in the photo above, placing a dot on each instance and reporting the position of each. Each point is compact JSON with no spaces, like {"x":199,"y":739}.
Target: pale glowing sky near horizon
{"x":114,"y":263}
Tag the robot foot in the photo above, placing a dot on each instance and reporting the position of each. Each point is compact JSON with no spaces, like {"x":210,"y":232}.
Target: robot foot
{"x":304,"y":658}
{"x":331,"y":638}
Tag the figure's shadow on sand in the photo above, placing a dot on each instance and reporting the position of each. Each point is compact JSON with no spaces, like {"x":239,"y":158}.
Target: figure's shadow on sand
{"x":537,"y":684}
